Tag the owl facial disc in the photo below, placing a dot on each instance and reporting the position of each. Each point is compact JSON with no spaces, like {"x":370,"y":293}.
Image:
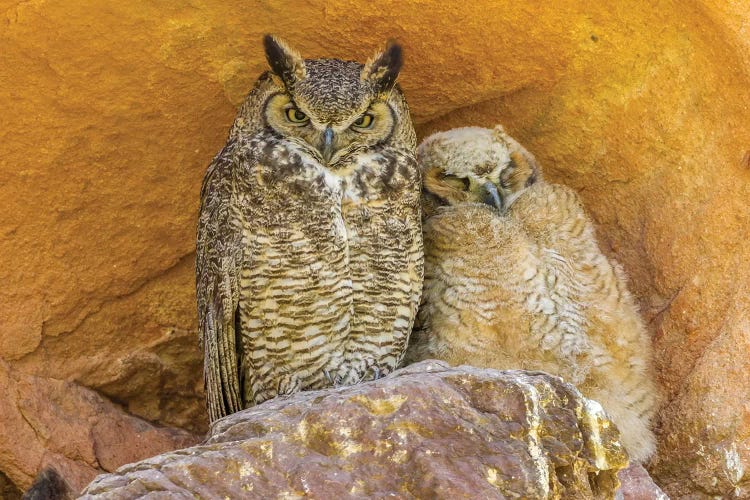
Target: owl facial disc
{"x":335,"y":107}
{"x":476,"y":165}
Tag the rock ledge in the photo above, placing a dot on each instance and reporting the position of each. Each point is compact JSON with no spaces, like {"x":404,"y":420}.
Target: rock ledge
{"x":425,"y":431}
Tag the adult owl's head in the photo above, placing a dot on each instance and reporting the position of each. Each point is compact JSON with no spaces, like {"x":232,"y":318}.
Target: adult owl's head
{"x":475,"y":165}
{"x":335,"y":107}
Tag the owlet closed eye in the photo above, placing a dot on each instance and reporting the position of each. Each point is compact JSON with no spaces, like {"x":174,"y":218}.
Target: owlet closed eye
{"x":294,"y":115}
{"x":364,"y":121}
{"x":456,"y":182}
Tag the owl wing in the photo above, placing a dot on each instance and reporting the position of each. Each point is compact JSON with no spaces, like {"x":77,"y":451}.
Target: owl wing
{"x":219,"y":256}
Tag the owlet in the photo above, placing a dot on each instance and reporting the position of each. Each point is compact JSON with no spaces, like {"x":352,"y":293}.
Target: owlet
{"x":514,"y":279}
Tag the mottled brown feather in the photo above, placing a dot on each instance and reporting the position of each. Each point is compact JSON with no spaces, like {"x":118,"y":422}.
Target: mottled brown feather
{"x":308,"y":270}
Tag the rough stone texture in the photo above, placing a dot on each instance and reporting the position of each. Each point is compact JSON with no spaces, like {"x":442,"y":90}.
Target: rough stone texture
{"x":56,"y":423}
{"x":112,"y":110}
{"x":427,"y":431}
{"x":636,"y":484}
{"x":8,"y":490}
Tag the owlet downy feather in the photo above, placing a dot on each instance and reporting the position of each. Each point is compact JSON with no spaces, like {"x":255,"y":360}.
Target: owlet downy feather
{"x":514,"y":279}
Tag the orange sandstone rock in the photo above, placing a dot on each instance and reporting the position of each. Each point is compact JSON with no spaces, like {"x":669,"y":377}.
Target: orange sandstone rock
{"x":61,"y":424}
{"x":111,"y":112}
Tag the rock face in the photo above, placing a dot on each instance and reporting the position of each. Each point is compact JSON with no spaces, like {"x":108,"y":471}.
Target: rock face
{"x":8,"y":490}
{"x":112,"y":112}
{"x":427,"y":431}
{"x":638,"y":485}
{"x":50,"y":422}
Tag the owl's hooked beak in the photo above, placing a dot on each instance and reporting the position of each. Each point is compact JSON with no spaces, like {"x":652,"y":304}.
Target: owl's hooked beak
{"x":491,"y":196}
{"x":327,"y":146}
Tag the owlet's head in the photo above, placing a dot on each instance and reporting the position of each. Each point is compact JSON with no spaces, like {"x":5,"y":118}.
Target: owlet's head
{"x":334,"y":107}
{"x":475,"y":165}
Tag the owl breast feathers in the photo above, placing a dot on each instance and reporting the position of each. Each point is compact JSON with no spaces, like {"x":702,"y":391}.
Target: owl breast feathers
{"x":514,"y":279}
{"x":309,"y":250}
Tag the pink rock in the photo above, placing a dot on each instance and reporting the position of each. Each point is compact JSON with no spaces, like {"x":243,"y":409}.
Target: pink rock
{"x":636,"y":484}
{"x":426,"y":431}
{"x":61,"y":424}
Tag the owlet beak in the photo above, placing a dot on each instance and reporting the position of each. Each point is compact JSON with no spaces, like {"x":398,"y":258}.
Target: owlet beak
{"x":491,"y":196}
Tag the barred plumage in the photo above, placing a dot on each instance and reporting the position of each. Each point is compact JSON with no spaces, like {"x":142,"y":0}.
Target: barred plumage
{"x":514,"y":278}
{"x":309,"y":251}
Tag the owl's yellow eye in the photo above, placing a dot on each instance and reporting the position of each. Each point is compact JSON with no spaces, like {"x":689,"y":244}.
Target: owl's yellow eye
{"x":294,"y":115}
{"x":364,"y":121}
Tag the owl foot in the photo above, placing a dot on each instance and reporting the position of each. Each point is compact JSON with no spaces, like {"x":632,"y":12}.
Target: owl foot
{"x":376,"y":374}
{"x":334,"y":381}
{"x":288,"y":385}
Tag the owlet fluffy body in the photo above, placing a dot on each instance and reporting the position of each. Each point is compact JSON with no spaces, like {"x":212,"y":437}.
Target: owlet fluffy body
{"x":309,"y":249}
{"x":514,"y":279}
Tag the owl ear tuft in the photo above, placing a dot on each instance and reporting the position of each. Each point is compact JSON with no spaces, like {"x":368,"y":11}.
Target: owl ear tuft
{"x":285,"y":62}
{"x":382,"y":69}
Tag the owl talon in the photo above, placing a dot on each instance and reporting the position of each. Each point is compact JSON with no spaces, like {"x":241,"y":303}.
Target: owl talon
{"x":376,"y":371}
{"x":334,"y":381}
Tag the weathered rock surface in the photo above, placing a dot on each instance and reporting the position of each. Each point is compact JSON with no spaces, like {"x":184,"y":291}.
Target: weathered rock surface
{"x":636,"y":484}
{"x":113,"y":110}
{"x":427,"y":431}
{"x":51,"y":422}
{"x":8,"y":490}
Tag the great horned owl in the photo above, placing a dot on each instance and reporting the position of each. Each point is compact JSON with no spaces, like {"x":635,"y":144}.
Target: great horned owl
{"x":514,"y":279}
{"x":309,"y":251}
